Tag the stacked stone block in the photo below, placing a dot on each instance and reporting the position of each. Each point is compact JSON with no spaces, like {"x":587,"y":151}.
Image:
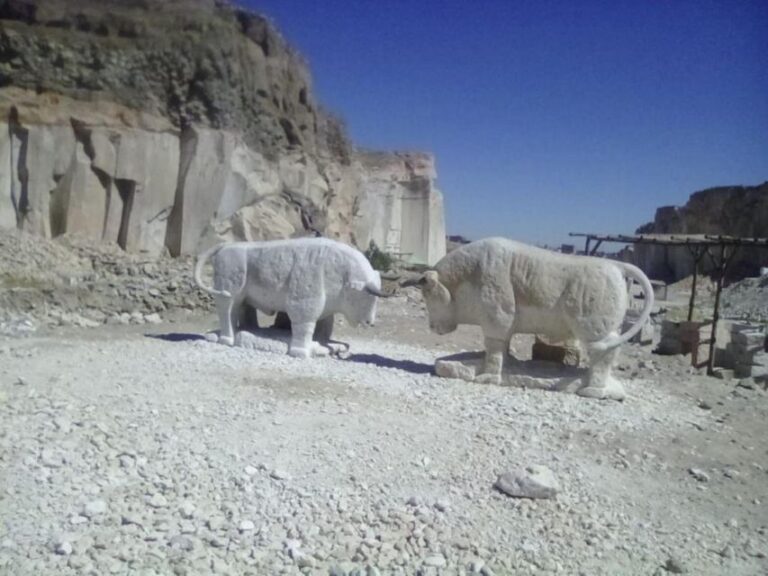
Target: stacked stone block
{"x":748,"y":351}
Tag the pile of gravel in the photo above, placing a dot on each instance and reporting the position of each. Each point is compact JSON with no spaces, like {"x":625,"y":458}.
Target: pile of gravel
{"x":747,"y":299}
{"x":76,"y":281}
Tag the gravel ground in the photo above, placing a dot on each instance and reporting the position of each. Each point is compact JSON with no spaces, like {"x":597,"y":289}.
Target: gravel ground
{"x":125,"y":452}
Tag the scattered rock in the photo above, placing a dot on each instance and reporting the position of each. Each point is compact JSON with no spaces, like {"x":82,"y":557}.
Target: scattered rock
{"x":436,"y":560}
{"x":94,"y":508}
{"x":674,"y":566}
{"x":699,"y":474}
{"x":534,"y":482}
{"x":187,"y":510}
{"x":279,"y":474}
{"x":157,"y":500}
{"x":728,"y":552}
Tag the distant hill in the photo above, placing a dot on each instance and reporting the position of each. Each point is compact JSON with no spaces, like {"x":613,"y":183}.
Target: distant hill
{"x":725,"y":210}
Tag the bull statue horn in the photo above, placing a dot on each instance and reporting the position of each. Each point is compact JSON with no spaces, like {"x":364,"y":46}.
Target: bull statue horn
{"x":371,"y":289}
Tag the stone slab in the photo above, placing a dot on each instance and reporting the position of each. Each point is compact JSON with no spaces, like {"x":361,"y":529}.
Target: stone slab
{"x":522,"y":374}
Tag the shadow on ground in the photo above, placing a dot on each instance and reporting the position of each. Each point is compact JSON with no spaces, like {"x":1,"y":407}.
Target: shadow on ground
{"x":176,"y":337}
{"x":383,"y":362}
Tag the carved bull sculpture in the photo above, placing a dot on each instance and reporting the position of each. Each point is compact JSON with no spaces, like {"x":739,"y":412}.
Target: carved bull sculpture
{"x":507,"y":287}
{"x":310,"y":279}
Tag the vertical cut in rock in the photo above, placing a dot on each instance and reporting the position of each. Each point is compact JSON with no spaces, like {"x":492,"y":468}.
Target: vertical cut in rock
{"x":20,"y":197}
{"x":127,"y":190}
{"x":174,"y":232}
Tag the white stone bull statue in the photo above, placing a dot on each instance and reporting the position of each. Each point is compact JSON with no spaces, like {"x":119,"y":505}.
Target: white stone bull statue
{"x":310,"y":279}
{"x":507,"y":288}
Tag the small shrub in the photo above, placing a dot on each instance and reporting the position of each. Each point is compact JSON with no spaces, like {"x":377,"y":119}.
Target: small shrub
{"x":379,"y":259}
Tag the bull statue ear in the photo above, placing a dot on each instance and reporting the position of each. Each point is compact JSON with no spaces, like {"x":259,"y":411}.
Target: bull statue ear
{"x":435,"y":288}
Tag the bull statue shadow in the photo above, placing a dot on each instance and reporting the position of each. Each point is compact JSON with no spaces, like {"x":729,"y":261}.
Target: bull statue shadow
{"x":253,"y":334}
{"x":536,"y":374}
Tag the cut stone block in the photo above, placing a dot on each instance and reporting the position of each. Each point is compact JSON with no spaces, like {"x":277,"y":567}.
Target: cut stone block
{"x":560,"y":352}
{"x":523,"y":374}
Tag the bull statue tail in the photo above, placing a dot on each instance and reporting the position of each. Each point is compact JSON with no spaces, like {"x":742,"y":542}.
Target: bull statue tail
{"x":613,"y":341}
{"x":201,"y":260}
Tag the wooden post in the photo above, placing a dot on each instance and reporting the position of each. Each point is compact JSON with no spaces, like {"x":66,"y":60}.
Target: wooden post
{"x":697,"y":253}
{"x":722,"y":265}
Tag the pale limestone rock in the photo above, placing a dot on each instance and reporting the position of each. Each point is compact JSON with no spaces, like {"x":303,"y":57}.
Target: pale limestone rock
{"x":567,"y":353}
{"x":79,"y":201}
{"x":203,"y":172}
{"x":153,"y":159}
{"x":10,"y":186}
{"x":126,"y":176}
{"x":46,"y":150}
{"x":535,"y":374}
{"x":250,"y":177}
{"x":404,"y":206}
{"x":455,"y":369}
{"x":534,"y":482}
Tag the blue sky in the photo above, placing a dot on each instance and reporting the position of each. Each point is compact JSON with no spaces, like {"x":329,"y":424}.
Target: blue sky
{"x":547,"y":117}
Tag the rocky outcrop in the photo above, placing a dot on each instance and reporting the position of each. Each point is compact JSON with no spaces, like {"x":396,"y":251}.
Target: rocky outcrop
{"x":729,"y":210}
{"x":173,"y":125}
{"x":400,"y":190}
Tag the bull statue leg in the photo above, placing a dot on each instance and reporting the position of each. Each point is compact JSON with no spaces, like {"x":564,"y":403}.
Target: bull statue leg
{"x":495,"y":351}
{"x":498,"y":301}
{"x":304,"y":320}
{"x":302,"y":345}
{"x":228,"y":317}
{"x":324,"y":338}
{"x":324,"y":330}
{"x":600,"y":383}
{"x":324,"y":344}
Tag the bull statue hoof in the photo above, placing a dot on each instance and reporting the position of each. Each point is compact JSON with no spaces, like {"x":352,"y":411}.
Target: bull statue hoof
{"x":612,"y":390}
{"x":299,"y":353}
{"x":494,"y":379}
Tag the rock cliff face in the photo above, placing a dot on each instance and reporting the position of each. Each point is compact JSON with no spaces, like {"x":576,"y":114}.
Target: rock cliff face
{"x":173,"y":124}
{"x":402,"y":194}
{"x":730,"y":210}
